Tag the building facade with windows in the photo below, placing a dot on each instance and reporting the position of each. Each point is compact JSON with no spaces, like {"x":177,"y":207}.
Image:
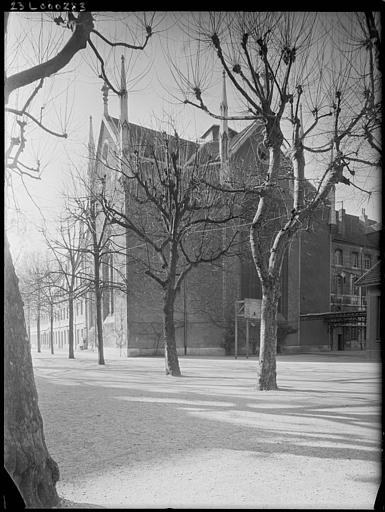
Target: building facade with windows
{"x":318,"y":275}
{"x":60,"y":326}
{"x":355,"y":247}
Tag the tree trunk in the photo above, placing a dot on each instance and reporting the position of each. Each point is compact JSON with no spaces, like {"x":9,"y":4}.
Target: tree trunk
{"x":268,"y":337}
{"x":51,"y":333}
{"x":26,"y":457}
{"x":171,"y":356}
{"x":99,"y":324}
{"x":71,"y":354}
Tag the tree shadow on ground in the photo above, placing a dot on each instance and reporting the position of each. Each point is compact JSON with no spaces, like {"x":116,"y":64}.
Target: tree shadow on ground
{"x":128,"y":423}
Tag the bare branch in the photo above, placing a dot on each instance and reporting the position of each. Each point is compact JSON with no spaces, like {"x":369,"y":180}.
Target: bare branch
{"x":103,"y":70}
{"x":126,"y":45}
{"x":27,"y":114}
{"x":78,"y":41}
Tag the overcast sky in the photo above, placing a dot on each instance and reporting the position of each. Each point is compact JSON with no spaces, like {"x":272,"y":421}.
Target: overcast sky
{"x":67,"y":100}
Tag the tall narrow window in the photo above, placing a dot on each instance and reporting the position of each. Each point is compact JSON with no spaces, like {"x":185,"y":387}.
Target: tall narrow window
{"x":367,"y":261}
{"x":338,"y":257}
{"x":339,"y":285}
{"x":355,"y":259}
{"x":105,"y":151}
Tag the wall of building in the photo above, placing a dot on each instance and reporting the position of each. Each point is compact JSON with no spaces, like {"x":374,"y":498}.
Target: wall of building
{"x":373,"y":333}
{"x":314,"y":335}
{"x":315,"y":266}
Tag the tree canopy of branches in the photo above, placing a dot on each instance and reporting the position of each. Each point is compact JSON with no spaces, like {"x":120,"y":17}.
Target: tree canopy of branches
{"x":84,"y":210}
{"x":66,"y":248}
{"x":301,"y":77}
{"x":175,"y":216}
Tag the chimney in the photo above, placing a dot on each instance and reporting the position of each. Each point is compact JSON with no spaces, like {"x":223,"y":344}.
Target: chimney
{"x":364,"y":218}
{"x":341,"y":220}
{"x":332,"y":213}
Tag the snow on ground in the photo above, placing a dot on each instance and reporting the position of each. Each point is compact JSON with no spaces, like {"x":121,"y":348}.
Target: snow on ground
{"x":126,"y":435}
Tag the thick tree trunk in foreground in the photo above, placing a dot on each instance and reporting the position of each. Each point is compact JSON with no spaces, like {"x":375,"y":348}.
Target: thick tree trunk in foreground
{"x":268,"y":344}
{"x":170,"y":353}
{"x":26,"y":457}
{"x":71,"y":354}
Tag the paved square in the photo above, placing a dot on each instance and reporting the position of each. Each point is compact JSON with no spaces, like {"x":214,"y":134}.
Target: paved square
{"x":126,"y":435}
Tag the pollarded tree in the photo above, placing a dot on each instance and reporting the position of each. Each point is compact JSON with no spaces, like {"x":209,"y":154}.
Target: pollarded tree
{"x":26,"y":457}
{"x":174,"y":212}
{"x":296,"y":76}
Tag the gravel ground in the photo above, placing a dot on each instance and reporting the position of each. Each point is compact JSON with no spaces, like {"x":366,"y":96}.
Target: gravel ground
{"x":127,"y":436}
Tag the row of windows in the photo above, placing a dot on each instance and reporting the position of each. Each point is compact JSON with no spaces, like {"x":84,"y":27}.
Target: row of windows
{"x":60,"y":338}
{"x":343,"y":259}
{"x":63,"y":313}
{"x":345,"y":285}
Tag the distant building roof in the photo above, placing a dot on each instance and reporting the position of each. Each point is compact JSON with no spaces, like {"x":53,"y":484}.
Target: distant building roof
{"x":353,"y":229}
{"x":372,"y":277}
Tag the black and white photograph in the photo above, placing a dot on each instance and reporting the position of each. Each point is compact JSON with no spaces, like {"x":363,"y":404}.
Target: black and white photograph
{"x":192,"y":258}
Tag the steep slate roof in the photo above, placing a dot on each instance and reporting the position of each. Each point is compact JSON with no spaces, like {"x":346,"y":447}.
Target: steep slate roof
{"x":143,"y":139}
{"x":372,"y":277}
{"x":214,"y":129}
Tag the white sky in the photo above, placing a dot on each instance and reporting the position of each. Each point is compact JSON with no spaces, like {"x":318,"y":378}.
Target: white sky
{"x":70,"y":98}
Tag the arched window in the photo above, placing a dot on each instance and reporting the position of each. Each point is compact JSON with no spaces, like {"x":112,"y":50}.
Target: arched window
{"x":338,"y":257}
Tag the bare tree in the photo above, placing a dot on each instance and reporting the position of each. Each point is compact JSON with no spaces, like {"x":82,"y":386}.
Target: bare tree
{"x":175,"y":215}
{"x":33,"y":280}
{"x":301,"y":89}
{"x":51,"y":297}
{"x":66,"y":248}
{"x":84,"y":209}
{"x":26,"y":457}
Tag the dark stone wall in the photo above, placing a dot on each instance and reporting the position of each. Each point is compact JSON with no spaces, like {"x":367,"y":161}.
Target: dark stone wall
{"x":314,"y":333}
{"x":315,"y":266}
